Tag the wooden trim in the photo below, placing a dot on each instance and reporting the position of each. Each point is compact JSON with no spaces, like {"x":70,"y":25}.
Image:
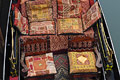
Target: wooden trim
{"x":1,"y":40}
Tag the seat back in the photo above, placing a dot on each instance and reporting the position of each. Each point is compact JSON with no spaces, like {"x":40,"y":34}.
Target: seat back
{"x":80,"y":43}
{"x":35,"y":45}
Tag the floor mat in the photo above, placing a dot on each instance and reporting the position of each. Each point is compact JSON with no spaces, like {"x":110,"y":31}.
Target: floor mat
{"x":61,"y":63}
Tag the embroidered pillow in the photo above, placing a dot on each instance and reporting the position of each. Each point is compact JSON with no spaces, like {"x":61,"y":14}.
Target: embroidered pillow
{"x":82,"y":62}
{"x":54,"y":6}
{"x":85,"y":5}
{"x":53,"y":2}
{"x":38,"y":12}
{"x":23,"y":6}
{"x":40,"y":65}
{"x":40,"y":15}
{"x":45,"y":27}
{"x":38,"y":4}
{"x":70,"y":25}
{"x":69,"y":9}
{"x":92,"y":15}
{"x":20,"y":22}
{"x":23,"y":10}
{"x":58,"y":42}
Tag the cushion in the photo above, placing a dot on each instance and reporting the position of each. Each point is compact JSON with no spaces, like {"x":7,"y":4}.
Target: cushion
{"x":54,"y":6}
{"x":92,"y":15}
{"x":69,"y":25}
{"x":20,"y":22}
{"x":53,"y":2}
{"x":23,"y":6}
{"x":85,"y":4}
{"x":40,"y":65}
{"x":59,"y":42}
{"x":38,"y":12}
{"x":23,"y":10}
{"x":38,"y":4}
{"x":82,"y":62}
{"x":61,"y":63}
{"x":45,"y":27}
{"x":69,"y":9}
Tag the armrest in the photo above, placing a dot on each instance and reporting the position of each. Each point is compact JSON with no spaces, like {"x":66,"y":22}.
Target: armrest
{"x":98,"y":64}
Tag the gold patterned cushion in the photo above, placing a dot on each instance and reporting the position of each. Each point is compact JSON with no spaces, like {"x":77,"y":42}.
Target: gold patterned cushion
{"x":40,"y":65}
{"x":69,"y":25}
{"x":82,"y":62}
{"x":38,"y":12}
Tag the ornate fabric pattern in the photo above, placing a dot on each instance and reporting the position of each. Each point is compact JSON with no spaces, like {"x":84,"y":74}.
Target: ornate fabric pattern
{"x":85,"y":5}
{"x":34,"y":1}
{"x":23,"y":10}
{"x":23,"y":6}
{"x":59,"y":42}
{"x":38,"y":12}
{"x":90,"y":32}
{"x":38,"y":4}
{"x":26,"y":38}
{"x":20,"y":22}
{"x":23,"y":1}
{"x":91,"y":2}
{"x":69,"y":9}
{"x":70,"y":25}
{"x":74,"y":36}
{"x":92,"y":15}
{"x":80,"y":43}
{"x":39,"y":15}
{"x":82,"y":62}
{"x":31,"y":45}
{"x":54,"y":6}
{"x":61,"y":64}
{"x":45,"y":27}
{"x":40,"y":65}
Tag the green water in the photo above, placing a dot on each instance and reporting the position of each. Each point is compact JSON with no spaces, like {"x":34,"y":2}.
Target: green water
{"x":111,"y":9}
